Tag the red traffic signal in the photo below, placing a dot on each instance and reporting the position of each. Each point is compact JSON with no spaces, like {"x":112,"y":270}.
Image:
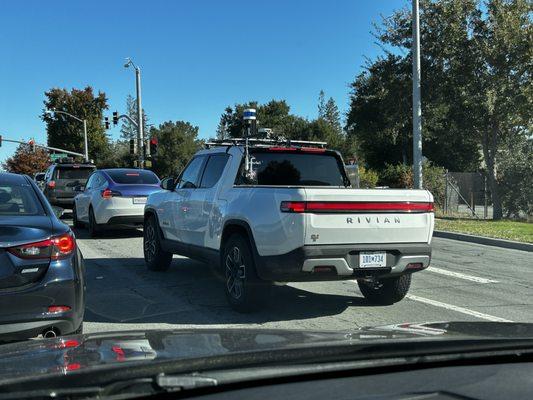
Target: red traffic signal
{"x":153,"y":146}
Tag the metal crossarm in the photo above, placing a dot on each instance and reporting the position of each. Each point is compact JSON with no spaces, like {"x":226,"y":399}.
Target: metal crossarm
{"x":256,"y":142}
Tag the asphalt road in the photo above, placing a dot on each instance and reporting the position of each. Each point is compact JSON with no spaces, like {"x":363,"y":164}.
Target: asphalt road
{"x":466,"y":282}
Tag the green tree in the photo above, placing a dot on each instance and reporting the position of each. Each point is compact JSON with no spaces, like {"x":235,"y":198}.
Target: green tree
{"x":329,"y":112}
{"x":178,"y":141}
{"x":476,"y":86}
{"x":26,"y":161}
{"x":128,"y":130}
{"x":67,"y":133}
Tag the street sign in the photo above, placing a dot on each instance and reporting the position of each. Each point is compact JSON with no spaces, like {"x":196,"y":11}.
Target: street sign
{"x":55,"y":156}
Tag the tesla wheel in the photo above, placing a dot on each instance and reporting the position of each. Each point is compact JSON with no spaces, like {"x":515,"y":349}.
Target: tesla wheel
{"x":155,"y":257}
{"x":385,"y":291}
{"x":244,"y":290}
{"x":94,"y":228}
{"x":75,"y":221}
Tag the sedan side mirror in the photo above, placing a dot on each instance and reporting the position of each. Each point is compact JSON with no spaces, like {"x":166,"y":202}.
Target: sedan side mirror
{"x":168,"y":183}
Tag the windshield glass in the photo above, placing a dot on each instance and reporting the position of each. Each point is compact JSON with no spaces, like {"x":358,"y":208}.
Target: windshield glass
{"x":133,"y":177}
{"x":19,"y":200}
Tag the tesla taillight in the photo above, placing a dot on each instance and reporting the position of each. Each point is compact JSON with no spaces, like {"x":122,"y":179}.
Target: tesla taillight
{"x":54,"y":248}
{"x":108,"y":193}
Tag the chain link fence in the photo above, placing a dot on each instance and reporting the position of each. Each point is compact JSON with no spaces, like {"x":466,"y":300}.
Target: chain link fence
{"x":467,"y":195}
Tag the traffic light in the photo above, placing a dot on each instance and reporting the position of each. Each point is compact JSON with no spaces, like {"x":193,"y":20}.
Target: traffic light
{"x":106,"y":122}
{"x":0,"y":140}
{"x":133,"y":146}
{"x":115,"y":117}
{"x":32,"y":145}
{"x":153,"y":146}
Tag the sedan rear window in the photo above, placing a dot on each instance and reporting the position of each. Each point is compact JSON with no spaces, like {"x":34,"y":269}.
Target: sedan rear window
{"x":19,"y":200}
{"x":134,"y":177}
{"x":294,"y":169}
{"x":72,"y":173}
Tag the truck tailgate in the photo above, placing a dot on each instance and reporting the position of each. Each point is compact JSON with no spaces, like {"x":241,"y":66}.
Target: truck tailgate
{"x":350,"y":216}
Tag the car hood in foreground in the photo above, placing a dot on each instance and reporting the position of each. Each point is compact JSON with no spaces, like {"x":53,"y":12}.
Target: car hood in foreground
{"x":74,"y":353}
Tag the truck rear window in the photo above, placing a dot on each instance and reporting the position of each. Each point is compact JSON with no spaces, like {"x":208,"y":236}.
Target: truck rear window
{"x":133,"y":177}
{"x":294,"y":169}
{"x":72,"y":173}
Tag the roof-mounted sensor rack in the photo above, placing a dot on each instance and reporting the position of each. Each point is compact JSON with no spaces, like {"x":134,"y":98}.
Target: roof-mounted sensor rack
{"x":257,"y":142}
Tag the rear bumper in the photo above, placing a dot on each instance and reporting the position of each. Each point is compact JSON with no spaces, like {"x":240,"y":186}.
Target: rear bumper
{"x":24,"y":311}
{"x":109,"y":213}
{"x":61,"y":201}
{"x":135,"y":220}
{"x":338,"y":262}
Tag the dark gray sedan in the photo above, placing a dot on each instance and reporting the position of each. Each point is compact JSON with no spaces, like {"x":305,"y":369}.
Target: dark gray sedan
{"x":42,"y":286}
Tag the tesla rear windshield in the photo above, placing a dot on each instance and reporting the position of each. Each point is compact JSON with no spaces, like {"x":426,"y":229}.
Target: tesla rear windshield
{"x":73,"y":173}
{"x":294,"y":169}
{"x":133,"y":177}
{"x":19,"y":200}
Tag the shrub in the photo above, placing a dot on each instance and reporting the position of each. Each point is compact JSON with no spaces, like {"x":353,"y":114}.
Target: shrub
{"x":401,"y":176}
{"x":397,"y":176}
{"x":368,"y":178}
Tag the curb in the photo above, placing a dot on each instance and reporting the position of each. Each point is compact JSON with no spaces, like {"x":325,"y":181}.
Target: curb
{"x":508,"y":244}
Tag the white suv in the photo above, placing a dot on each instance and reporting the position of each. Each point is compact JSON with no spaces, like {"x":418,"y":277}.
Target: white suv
{"x":290,"y":216}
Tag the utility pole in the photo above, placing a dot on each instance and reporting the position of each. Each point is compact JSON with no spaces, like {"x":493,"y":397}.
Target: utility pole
{"x":417,"y":105}
{"x":140,"y":124}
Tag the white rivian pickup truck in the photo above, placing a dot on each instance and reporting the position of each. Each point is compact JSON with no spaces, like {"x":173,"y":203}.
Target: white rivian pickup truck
{"x":285,"y":212}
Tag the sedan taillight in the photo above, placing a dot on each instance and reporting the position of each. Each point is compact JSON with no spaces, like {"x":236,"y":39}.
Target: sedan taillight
{"x":54,"y":248}
{"x":52,"y":184}
{"x":108,"y":193}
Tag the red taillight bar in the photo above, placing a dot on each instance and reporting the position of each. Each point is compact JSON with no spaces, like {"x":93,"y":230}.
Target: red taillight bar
{"x":374,"y":206}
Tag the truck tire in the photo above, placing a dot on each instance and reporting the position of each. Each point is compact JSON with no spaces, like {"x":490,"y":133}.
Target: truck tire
{"x":245,"y":291}
{"x":155,"y":257}
{"x":386,"y":291}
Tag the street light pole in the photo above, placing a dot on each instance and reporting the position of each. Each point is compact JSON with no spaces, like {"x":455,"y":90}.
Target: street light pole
{"x":140,"y":124}
{"x":417,"y":104}
{"x":85,"y":140}
{"x":84,"y":121}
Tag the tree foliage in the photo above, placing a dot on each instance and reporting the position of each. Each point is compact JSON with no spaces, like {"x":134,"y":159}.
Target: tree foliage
{"x":67,"y":133}
{"x":128,"y":130}
{"x":276,"y":115}
{"x":178,"y":141}
{"x":25,"y":161}
{"x":477,"y":92}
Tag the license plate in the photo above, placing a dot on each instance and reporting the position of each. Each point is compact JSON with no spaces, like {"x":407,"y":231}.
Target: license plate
{"x":372,"y":259}
{"x":139,"y":200}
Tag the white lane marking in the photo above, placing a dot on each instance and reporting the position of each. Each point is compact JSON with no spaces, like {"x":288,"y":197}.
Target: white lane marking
{"x":460,"y":275}
{"x":457,"y":309}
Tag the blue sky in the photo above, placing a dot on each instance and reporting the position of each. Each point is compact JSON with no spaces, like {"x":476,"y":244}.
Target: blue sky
{"x":196,"y":57}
